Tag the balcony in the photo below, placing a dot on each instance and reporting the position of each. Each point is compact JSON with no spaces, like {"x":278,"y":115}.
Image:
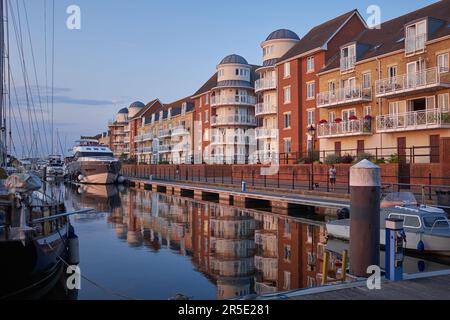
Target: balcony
{"x":415,"y":44}
{"x":262,"y":109}
{"x":236,"y":120}
{"x":415,"y":120}
{"x":165,"y":133}
{"x":343,"y":96}
{"x":145,"y":150}
{"x":345,"y":128}
{"x":233,"y":100}
{"x":265,"y":84}
{"x":219,"y":139}
{"x":426,"y":80}
{"x":165,"y":148}
{"x":262,"y":133}
{"x":180,"y":131}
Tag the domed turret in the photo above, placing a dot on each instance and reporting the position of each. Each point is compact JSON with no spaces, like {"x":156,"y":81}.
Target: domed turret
{"x":122,"y":115}
{"x":283,"y":34}
{"x":233,"y":59}
{"x":134,"y":108}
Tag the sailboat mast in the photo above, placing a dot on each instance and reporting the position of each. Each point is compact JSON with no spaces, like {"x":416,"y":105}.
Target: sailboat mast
{"x":2,"y":85}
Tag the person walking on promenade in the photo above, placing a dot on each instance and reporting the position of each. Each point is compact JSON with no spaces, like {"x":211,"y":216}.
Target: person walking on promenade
{"x":332,"y":174}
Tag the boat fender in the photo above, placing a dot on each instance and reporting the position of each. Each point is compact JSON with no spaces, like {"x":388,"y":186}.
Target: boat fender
{"x":343,"y":213}
{"x":80,"y":177}
{"x":420,"y":246}
{"x":121,"y":179}
{"x":421,"y":265}
{"x":73,"y":255}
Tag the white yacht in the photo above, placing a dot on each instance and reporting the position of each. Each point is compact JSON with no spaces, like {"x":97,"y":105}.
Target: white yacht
{"x":54,"y":166}
{"x":92,"y":163}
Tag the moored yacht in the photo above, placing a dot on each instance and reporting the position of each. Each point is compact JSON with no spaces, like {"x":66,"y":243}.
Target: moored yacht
{"x":92,"y":163}
{"x":54,"y":166}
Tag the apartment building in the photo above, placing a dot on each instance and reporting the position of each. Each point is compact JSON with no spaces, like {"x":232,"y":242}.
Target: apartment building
{"x":164,"y":132}
{"x":266,"y":110}
{"x":298,"y":82}
{"x":117,"y":130}
{"x":386,"y":92}
{"x":226,"y":114}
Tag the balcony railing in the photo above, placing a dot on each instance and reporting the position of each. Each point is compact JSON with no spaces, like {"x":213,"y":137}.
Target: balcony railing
{"x":165,"y":133}
{"x":345,"y":128}
{"x":347,"y":63}
{"x":233,"y":100}
{"x":262,"y":133}
{"x":145,"y":150}
{"x":265,"y":84}
{"x":165,"y":148}
{"x":415,"y":44}
{"x":343,"y":96}
{"x":422,"y":80}
{"x":180,"y":131}
{"x":415,"y":120}
{"x":265,"y":108}
{"x":232,"y":139}
{"x":233,"y":120}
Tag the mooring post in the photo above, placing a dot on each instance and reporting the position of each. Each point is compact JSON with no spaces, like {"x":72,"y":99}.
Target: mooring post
{"x":365,"y":188}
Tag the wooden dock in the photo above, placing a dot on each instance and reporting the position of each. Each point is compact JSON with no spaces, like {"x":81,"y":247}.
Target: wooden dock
{"x":279,"y":202}
{"x":423,"y":286}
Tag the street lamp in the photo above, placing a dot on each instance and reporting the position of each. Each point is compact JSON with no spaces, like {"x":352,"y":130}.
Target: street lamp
{"x":311,"y":132}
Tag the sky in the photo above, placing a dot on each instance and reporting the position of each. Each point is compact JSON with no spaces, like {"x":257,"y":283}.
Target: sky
{"x":143,"y":49}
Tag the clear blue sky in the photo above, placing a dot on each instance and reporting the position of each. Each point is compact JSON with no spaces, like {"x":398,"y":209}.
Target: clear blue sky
{"x":142,"y":49}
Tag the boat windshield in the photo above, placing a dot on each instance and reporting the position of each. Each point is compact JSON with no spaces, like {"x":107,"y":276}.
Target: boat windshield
{"x":435,"y":222}
{"x":399,"y":198}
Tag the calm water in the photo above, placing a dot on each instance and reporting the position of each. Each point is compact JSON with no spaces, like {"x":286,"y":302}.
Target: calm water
{"x":145,"y":245}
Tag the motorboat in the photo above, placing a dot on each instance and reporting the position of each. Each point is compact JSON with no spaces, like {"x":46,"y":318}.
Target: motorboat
{"x":427,"y":228}
{"x":92,"y":163}
{"x":54,"y":166}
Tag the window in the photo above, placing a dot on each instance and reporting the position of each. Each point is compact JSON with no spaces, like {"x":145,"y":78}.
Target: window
{"x":169,"y":113}
{"x":287,"y":228}
{"x":287,"y":69}
{"x":311,"y":117}
{"x":366,"y":80}
{"x":287,"y":95}
{"x":416,"y":35}
{"x":287,"y":120}
{"x":310,"y":90}
{"x":442,"y":62}
{"x":207,"y":99}
{"x":287,"y":145}
{"x":331,"y":117}
{"x":443,"y":102}
{"x":206,"y":116}
{"x":310,"y":64}
{"x":310,"y":232}
{"x":331,"y":87}
{"x":348,"y":57}
{"x":392,"y":72}
{"x":287,"y":253}
{"x":393,"y":108}
{"x":367,"y":111}
{"x":237,"y":72}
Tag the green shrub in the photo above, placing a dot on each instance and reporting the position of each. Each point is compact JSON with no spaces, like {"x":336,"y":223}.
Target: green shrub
{"x":394,"y":158}
{"x":347,"y":159}
{"x":332,"y":159}
{"x":364,"y":155}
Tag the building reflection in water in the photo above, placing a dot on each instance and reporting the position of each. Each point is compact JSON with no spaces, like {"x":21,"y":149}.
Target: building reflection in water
{"x":241,"y":251}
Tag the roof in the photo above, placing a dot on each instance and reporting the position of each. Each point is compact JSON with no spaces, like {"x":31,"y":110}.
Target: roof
{"x":152,"y":104}
{"x":390,"y":36}
{"x":283,"y":34}
{"x":137,"y":104}
{"x":232,"y":59}
{"x":207,"y":86}
{"x":318,"y":36}
{"x":123,"y":111}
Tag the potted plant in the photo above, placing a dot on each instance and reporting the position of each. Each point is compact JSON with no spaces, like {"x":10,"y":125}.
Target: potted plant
{"x":338,"y":120}
{"x":352,"y":118}
{"x":323,"y":121}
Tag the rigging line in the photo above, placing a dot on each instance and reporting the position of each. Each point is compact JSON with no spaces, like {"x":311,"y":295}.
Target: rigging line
{"x":11,"y":143}
{"x":45,"y":58}
{"x":35,"y":74}
{"x":53,"y":72}
{"x":29,"y":95}
{"x":18,"y":134}
{"x":20,"y":113}
{"x":2,"y":73}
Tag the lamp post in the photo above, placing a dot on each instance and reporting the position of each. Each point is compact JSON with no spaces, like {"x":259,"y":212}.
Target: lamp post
{"x":312,"y":132}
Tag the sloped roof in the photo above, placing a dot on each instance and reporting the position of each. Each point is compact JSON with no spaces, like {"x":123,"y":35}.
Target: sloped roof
{"x":317,"y":36}
{"x":152,"y":104}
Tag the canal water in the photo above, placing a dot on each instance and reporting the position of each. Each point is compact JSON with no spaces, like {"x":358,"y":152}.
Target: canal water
{"x":144,"y":245}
